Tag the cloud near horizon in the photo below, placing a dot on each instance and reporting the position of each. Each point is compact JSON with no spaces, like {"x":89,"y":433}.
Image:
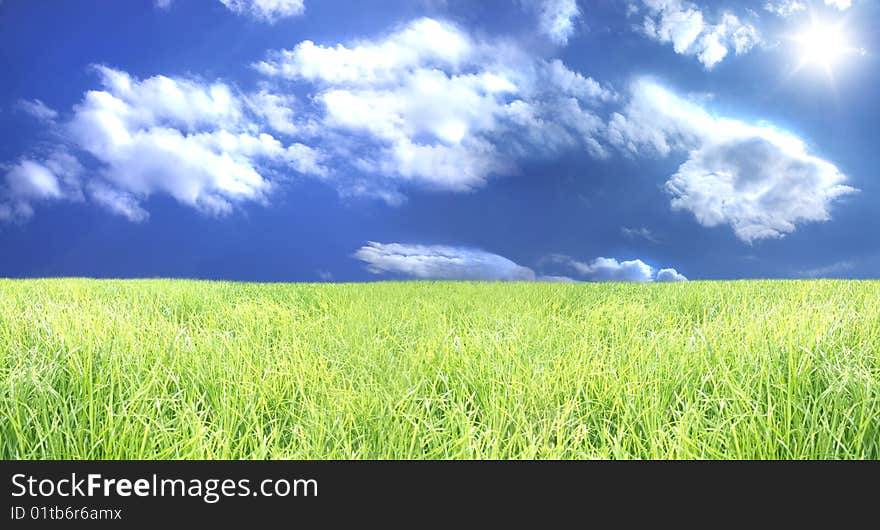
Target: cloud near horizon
{"x":441,"y":262}
{"x":612,"y":270}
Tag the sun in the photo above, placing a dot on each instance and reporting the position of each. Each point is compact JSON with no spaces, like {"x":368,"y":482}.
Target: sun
{"x":822,"y":45}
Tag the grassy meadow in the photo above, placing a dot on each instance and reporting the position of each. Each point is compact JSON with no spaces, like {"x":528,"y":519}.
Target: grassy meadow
{"x":160,"y":369}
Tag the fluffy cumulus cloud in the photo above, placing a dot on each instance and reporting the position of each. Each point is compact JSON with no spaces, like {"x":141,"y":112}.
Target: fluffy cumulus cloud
{"x":691,"y":32}
{"x":427,"y":105}
{"x":200,"y":143}
{"x":436,"y":262}
{"x":557,"y":19}
{"x":760,"y":180}
{"x":670,"y":275}
{"x":612,"y":270}
{"x":431,"y":105}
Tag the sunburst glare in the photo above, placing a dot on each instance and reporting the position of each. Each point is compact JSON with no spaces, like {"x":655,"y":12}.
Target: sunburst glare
{"x":824,"y":45}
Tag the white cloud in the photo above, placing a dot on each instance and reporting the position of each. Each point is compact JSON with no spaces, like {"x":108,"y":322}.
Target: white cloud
{"x":785,"y":8}
{"x":423,"y":43}
{"x":200,"y":143}
{"x":189,"y":140}
{"x":555,"y":279}
{"x":30,"y":181}
{"x":640,"y":233}
{"x":118,"y":201}
{"x":425,"y":106}
{"x":38,"y":110}
{"x":685,"y":26}
{"x":612,"y":270}
{"x":429,"y":104}
{"x":670,"y":275}
{"x":834,"y":270}
{"x":269,"y":11}
{"x":437,"y":262}
{"x":760,"y":180}
{"x":556,"y":18}
{"x":763,"y":185}
{"x":277,"y":110}
{"x":266,"y":10}
{"x":839,"y":4}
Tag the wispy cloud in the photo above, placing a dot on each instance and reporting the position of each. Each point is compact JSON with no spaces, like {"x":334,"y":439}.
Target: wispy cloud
{"x":441,"y":262}
{"x":639,"y":233}
{"x":438,"y":262}
{"x":266,"y":10}
{"x":38,"y":110}
{"x":839,"y":4}
{"x":55,"y":177}
{"x":269,"y":11}
{"x":785,"y":8}
{"x":833,"y":270}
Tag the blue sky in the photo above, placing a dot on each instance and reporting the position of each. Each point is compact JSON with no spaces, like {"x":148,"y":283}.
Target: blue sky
{"x":556,"y":140}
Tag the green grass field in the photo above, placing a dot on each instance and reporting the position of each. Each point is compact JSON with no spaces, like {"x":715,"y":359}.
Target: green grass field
{"x":161,"y":369}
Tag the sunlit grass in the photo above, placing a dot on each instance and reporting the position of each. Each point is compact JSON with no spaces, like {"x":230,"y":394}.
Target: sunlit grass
{"x":161,"y":369}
